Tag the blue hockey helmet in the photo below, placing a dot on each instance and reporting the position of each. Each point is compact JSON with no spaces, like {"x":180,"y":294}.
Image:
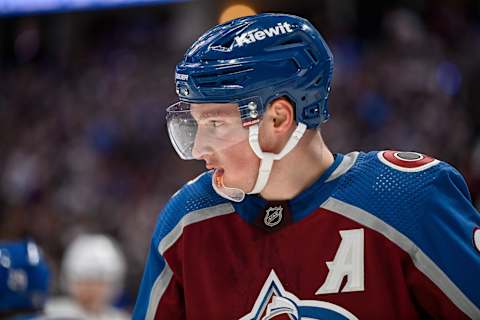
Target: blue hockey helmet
{"x":24,"y":277}
{"x":256,"y":59}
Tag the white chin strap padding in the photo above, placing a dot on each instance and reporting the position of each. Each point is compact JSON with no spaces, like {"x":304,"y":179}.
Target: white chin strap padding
{"x":267,"y":158}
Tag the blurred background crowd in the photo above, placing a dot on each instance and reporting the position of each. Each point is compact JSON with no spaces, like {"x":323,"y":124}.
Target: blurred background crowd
{"x":83,"y":143}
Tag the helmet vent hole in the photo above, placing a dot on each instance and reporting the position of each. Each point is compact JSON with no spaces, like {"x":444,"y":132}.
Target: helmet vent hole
{"x":318,"y":81}
{"x":311,"y":55}
{"x":296,"y":64}
{"x":232,"y":82}
{"x":303,"y":98}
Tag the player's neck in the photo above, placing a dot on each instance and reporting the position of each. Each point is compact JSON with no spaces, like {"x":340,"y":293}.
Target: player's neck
{"x":299,"y":169}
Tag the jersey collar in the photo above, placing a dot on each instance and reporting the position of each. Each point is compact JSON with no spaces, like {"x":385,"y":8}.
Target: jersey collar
{"x":303,"y":204}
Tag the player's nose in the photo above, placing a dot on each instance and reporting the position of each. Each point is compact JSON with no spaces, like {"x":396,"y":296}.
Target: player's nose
{"x":200,"y":149}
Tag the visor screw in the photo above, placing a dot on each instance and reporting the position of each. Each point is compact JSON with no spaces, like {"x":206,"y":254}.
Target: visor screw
{"x":252,"y":106}
{"x":253,"y":114}
{"x":184,"y":91}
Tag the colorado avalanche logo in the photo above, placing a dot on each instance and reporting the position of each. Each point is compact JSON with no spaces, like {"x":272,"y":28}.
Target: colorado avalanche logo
{"x":274,"y":301}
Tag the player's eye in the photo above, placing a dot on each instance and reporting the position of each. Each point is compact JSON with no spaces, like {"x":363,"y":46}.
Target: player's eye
{"x":215,"y":123}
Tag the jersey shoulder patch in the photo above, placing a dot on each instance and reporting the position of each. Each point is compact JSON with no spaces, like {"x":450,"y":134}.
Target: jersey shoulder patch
{"x":406,"y":161}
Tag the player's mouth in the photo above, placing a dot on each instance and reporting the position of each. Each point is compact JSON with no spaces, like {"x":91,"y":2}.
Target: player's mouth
{"x":211,"y":165}
{"x":218,"y":177}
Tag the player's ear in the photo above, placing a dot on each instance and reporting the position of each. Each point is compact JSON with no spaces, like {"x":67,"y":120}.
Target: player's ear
{"x":281,"y":115}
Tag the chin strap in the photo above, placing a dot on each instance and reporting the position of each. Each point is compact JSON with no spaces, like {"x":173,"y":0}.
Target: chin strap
{"x":267,"y":158}
{"x":266,"y":163}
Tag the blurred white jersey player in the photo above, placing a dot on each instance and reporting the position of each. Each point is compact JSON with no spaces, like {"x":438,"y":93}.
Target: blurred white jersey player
{"x":93,"y":270}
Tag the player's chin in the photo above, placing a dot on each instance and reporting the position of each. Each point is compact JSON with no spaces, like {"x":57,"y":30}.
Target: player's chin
{"x":238,"y":180}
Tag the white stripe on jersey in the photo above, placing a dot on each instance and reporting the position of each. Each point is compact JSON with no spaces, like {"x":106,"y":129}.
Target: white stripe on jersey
{"x":164,"y":278}
{"x":159,"y":287}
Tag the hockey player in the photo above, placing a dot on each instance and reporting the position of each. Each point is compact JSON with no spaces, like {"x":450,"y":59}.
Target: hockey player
{"x":281,"y":228}
{"x":93,"y":271}
{"x":24,"y":281}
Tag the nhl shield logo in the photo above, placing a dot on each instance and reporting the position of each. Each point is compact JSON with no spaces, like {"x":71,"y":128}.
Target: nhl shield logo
{"x":273,"y":216}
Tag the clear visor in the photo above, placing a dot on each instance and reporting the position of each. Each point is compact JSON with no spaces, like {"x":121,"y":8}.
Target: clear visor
{"x":197,"y":130}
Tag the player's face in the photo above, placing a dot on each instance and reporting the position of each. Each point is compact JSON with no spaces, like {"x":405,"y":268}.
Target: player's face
{"x":222,"y":142}
{"x":93,"y":295}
